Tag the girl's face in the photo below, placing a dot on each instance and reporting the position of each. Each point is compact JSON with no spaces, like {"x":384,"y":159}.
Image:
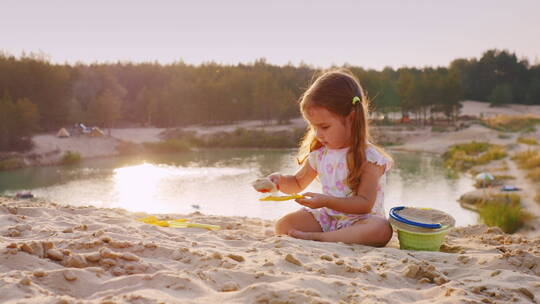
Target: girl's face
{"x":332,"y":130}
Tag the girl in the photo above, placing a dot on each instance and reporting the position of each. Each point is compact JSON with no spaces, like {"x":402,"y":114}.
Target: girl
{"x":350,"y":168}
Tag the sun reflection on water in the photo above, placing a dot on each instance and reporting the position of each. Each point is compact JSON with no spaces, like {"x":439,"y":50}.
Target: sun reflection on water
{"x":138,"y":186}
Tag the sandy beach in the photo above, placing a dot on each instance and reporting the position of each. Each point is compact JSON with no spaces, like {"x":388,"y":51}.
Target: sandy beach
{"x":63,"y":254}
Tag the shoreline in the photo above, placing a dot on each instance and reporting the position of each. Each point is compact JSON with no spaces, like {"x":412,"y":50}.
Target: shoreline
{"x":413,"y":138}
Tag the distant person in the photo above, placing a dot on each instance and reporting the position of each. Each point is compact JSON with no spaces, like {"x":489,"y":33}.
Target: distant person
{"x":351,"y":169}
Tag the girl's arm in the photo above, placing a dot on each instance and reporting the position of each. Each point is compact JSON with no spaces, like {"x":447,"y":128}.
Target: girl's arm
{"x":294,"y":183}
{"x":357,"y":204}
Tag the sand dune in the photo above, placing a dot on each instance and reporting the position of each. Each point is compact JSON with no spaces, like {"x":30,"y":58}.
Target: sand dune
{"x":63,"y":254}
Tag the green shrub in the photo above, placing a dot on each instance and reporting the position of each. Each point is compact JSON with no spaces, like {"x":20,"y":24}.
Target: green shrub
{"x":439,"y":129}
{"x":498,"y":180}
{"x":167,"y":146}
{"x":187,"y":136}
{"x":462,"y":157}
{"x":507,"y":216}
{"x":240,"y":138}
{"x":512,"y":123}
{"x":529,"y":159}
{"x":128,"y":147}
{"x":527,"y":141}
{"x":243,"y":138}
{"x":451,"y":173}
{"x":534,"y":175}
{"x":389,"y":143}
{"x":11,"y":163}
{"x":490,"y":198}
{"x":70,"y":158}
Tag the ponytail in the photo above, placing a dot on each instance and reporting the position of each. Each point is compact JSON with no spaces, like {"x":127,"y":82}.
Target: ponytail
{"x":356,"y":156}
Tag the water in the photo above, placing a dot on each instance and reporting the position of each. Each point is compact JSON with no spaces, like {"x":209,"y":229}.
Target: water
{"x":218,"y":182}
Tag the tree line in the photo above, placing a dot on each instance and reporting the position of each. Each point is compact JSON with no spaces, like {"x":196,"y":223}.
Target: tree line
{"x":39,"y":96}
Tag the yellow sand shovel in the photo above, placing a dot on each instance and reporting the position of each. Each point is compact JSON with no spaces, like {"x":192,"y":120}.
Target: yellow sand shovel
{"x":281,"y":198}
{"x":178,"y":223}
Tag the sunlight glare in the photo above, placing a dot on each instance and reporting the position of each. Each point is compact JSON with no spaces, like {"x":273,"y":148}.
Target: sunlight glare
{"x":137,"y":186}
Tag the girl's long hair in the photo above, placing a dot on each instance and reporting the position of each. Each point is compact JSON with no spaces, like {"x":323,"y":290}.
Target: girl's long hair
{"x":334,"y":90}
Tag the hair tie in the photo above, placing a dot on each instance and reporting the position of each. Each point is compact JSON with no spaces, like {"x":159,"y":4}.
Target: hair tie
{"x":355,"y":100}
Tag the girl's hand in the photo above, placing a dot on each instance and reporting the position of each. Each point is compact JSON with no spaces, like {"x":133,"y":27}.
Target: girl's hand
{"x":313,"y":200}
{"x":275,"y":178}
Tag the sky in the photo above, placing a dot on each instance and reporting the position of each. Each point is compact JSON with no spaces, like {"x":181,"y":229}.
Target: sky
{"x":370,"y":34}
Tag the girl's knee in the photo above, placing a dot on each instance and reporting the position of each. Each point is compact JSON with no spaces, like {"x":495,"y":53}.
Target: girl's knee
{"x":282,"y":226}
{"x":299,"y":220}
{"x":385,"y":232}
{"x":378,"y":234}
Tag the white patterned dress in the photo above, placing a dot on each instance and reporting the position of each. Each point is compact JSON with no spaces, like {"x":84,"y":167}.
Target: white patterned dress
{"x":331,"y":167}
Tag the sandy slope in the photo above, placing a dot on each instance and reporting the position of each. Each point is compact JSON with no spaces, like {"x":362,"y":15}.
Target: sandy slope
{"x":477,"y":108}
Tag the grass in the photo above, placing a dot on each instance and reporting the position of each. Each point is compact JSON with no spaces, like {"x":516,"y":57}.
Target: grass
{"x":498,"y":180}
{"x":534,"y":175}
{"x":490,"y":198}
{"x":503,"y":136}
{"x":462,"y":157}
{"x":439,"y":129}
{"x":168,"y":146}
{"x":70,"y":158}
{"x":389,"y":143}
{"x":11,"y":163}
{"x":527,"y":141}
{"x":528,"y":160}
{"x":512,"y":123}
{"x":242,"y":138}
{"x":507,"y":216}
{"x":178,"y":140}
{"x":128,"y":147}
{"x":451,"y":173}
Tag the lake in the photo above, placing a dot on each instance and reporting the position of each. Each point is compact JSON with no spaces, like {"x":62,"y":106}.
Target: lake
{"x":218,"y":182}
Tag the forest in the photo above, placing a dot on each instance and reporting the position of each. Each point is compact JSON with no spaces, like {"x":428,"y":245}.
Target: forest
{"x":39,"y":96}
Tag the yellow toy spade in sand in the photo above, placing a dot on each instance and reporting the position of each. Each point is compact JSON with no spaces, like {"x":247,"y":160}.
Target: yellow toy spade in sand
{"x":178,"y":223}
{"x":281,"y":198}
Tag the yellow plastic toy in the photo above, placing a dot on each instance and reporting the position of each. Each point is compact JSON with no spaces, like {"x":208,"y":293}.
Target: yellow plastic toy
{"x":178,"y":223}
{"x":281,"y":198}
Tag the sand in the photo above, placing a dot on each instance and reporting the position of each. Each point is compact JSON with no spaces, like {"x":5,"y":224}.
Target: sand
{"x":61,"y":254}
{"x":477,"y":108}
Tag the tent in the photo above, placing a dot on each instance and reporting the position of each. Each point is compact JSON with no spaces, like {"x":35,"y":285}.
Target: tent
{"x":62,"y":133}
{"x":96,"y":132}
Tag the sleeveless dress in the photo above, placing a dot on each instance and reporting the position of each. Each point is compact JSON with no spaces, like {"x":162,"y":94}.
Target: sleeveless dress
{"x":331,"y":167}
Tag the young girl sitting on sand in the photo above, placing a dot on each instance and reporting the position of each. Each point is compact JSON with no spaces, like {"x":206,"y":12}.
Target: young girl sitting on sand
{"x":350,"y":168}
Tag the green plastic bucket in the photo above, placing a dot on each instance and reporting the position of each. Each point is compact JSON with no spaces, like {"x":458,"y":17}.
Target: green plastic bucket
{"x":421,"y":240}
{"x":416,"y":234}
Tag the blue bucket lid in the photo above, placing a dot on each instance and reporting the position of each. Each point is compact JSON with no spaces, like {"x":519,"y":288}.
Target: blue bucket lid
{"x":394,"y":215}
